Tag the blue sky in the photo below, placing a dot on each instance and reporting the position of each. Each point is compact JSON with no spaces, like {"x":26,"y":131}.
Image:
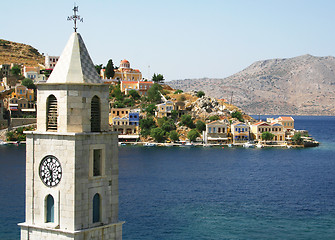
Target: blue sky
{"x":178,"y":38}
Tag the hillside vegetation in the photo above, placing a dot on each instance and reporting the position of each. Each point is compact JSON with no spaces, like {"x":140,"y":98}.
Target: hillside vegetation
{"x":303,"y":85}
{"x":12,"y":52}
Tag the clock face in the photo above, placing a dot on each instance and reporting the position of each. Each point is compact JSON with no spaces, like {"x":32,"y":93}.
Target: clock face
{"x":50,"y":171}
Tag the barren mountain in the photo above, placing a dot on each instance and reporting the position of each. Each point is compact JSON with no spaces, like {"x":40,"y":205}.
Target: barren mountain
{"x":12,"y":52}
{"x":303,"y":85}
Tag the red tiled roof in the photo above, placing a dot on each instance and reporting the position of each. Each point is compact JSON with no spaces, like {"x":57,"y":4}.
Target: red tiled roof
{"x":261,"y":123}
{"x":286,"y":118}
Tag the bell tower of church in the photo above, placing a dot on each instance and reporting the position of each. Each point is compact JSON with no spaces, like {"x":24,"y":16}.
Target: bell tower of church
{"x":72,"y":157}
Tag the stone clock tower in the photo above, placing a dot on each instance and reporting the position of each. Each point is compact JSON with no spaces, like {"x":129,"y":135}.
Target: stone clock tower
{"x":72,"y":157}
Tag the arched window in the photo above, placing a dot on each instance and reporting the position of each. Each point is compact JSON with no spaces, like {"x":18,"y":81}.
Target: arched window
{"x":52,"y":113}
{"x":95,"y":114}
{"x":49,"y":201}
{"x":96,"y":208}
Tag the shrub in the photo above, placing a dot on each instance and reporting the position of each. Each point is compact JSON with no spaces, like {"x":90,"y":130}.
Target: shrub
{"x":174,"y":136}
{"x":158,"y":134}
{"x":200,"y":94}
{"x":181,"y":98}
{"x":192,"y":135}
{"x":200,"y":126}
{"x":237,"y":115}
{"x":186,"y":120}
{"x":214,"y":118}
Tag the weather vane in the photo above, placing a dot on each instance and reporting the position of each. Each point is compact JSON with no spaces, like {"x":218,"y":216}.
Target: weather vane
{"x":75,"y":17}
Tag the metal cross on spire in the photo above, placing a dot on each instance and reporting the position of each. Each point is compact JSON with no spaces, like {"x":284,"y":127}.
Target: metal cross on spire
{"x":75,"y":17}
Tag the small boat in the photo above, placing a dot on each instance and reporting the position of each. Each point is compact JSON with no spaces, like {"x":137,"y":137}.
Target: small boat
{"x":3,"y":143}
{"x":230,"y":145}
{"x":248,"y":145}
{"x":258,"y":145}
{"x":188,"y":144}
{"x":122,"y":144}
{"x":147,"y":144}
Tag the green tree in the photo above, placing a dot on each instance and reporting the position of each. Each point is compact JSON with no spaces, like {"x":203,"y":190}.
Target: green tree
{"x":237,"y":115}
{"x":200,"y":126}
{"x":178,"y":91}
{"x":158,"y":134}
{"x":174,"y":136}
{"x":154,"y":95}
{"x":129,"y":102}
{"x":267,"y":136}
{"x":214,"y":118}
{"x":158,"y":78}
{"x":110,"y":69}
{"x":15,"y":70}
{"x":146,"y":124}
{"x":297,"y":139}
{"x":174,"y":114}
{"x":168,"y":125}
{"x":98,"y":68}
{"x":134,"y":94}
{"x":116,"y":92}
{"x":200,"y":94}
{"x":186,"y":120}
{"x":28,"y":83}
{"x":192,"y":135}
{"x":150,"y":109}
{"x":118,"y":104}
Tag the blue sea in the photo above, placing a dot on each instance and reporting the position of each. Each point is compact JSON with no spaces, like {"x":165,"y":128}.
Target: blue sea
{"x":209,"y":193}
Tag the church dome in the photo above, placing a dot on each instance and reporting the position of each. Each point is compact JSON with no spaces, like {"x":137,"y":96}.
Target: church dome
{"x":124,"y":64}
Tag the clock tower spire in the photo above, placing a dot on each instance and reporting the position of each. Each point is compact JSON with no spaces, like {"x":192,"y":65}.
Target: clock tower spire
{"x":72,"y":157}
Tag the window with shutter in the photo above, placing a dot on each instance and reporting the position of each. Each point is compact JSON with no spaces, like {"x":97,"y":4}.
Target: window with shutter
{"x":95,"y":114}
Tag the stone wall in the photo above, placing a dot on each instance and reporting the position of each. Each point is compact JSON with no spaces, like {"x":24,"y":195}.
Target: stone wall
{"x":15,"y":122}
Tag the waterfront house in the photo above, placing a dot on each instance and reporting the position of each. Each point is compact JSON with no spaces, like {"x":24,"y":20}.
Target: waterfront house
{"x":287,"y":122}
{"x":125,"y":122}
{"x":275,"y":128}
{"x":216,"y":132}
{"x":240,"y":132}
{"x":119,"y":112}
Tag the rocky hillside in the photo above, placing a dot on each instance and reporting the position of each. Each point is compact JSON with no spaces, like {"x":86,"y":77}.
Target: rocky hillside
{"x":303,"y":85}
{"x":12,"y":52}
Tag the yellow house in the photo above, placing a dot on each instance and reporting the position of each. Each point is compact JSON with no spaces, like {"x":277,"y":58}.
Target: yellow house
{"x":141,"y":86}
{"x":217,"y":132}
{"x":128,"y":85}
{"x":118,"y":112}
{"x":164,"y":109}
{"x":275,"y":128}
{"x":287,"y":122}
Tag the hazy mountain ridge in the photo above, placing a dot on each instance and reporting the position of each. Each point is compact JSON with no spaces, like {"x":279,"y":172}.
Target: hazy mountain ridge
{"x":303,"y":85}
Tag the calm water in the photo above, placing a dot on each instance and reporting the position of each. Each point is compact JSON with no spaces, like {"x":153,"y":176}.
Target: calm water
{"x":210,"y":193}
